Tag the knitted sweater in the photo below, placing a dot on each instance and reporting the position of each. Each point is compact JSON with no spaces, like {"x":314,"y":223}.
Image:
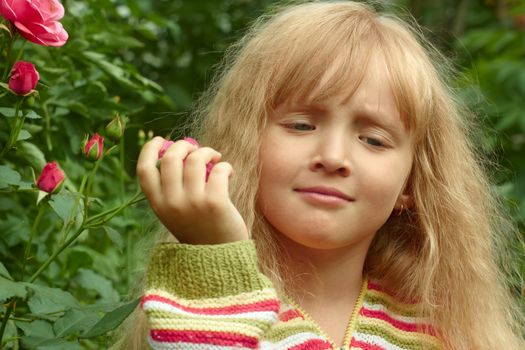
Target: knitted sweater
{"x":213,"y":297}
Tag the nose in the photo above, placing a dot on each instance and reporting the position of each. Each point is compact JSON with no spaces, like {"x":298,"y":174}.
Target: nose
{"x":332,"y":155}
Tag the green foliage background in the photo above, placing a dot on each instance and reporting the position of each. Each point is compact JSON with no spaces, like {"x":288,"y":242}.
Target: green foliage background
{"x":149,"y":60}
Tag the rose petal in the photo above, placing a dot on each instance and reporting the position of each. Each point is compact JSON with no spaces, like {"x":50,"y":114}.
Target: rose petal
{"x":164,"y":148}
{"x":192,"y":141}
{"x":7,"y":11}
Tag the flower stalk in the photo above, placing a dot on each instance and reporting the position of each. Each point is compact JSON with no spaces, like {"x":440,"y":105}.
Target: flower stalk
{"x":15,"y":129}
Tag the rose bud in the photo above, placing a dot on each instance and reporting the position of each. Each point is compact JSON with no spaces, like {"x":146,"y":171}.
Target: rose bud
{"x":51,"y":178}
{"x":209,"y":165}
{"x":24,"y":78}
{"x":164,"y":148}
{"x":168,"y":143}
{"x":115,"y":128}
{"x":94,"y":147}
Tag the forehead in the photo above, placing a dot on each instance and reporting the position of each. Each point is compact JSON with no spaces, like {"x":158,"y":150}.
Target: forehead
{"x":369,"y":92}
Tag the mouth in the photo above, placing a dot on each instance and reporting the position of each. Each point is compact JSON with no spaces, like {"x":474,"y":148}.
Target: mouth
{"x":328,"y":192}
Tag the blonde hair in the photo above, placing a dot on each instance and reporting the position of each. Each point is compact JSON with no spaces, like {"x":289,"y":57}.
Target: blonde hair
{"x":446,"y":250}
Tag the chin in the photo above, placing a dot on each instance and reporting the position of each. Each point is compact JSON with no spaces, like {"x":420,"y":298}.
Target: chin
{"x":315,"y":242}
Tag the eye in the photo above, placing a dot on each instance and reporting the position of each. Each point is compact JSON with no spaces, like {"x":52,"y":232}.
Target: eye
{"x":300,"y":126}
{"x":372,"y":141}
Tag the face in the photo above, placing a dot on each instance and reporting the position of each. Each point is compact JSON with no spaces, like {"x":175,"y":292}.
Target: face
{"x":332,"y":173}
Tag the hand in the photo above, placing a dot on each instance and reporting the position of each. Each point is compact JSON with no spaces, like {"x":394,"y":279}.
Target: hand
{"x":193,"y":210}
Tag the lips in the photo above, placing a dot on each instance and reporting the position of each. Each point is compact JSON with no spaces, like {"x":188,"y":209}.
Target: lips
{"x":328,"y":191}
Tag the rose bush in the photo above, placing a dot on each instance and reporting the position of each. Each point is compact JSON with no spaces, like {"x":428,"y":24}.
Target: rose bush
{"x":24,"y":78}
{"x":36,"y":20}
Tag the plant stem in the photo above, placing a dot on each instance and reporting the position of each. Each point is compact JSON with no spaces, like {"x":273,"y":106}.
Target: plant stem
{"x":21,"y":51}
{"x":8,"y":311}
{"x":135,"y":199}
{"x":47,"y":128}
{"x":82,"y":228}
{"x":31,"y":235}
{"x":56,"y":252}
{"x":114,"y":211}
{"x":66,"y":226}
{"x":91,"y":177}
{"x":15,"y":129}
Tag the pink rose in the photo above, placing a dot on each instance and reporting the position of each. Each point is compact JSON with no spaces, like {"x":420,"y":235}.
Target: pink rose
{"x":164,"y":148}
{"x":51,"y":178}
{"x":94,"y":147}
{"x":36,"y":20}
{"x":168,"y":143}
{"x":24,"y":77}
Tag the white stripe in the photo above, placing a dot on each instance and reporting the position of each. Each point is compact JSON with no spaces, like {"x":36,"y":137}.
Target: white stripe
{"x":289,"y":342}
{"x":268,"y":316}
{"x":376,"y":340}
{"x":157,"y":345}
{"x":381,"y":307}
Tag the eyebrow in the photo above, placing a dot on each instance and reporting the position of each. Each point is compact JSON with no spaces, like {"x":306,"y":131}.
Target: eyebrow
{"x":382,"y":120}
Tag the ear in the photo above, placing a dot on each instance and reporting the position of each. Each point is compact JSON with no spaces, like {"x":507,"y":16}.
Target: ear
{"x":404,"y":201}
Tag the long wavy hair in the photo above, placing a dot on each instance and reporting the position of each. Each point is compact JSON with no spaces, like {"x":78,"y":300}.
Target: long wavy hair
{"x":447,"y":250}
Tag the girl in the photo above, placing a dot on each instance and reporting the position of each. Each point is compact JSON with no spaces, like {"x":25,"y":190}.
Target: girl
{"x":345,"y":209}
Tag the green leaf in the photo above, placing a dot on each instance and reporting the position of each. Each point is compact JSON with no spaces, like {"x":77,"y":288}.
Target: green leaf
{"x":46,"y":300}
{"x":32,"y":154}
{"x":23,"y":135}
{"x":115,"y":237}
{"x":4,"y":272}
{"x":37,"y":328}
{"x":88,"y":279}
{"x":75,"y":321}
{"x":7,"y":112}
{"x":32,"y":115}
{"x":8,"y":176}
{"x":11,"y":335}
{"x":43,"y":342}
{"x":10,"y":289}
{"x":60,"y":344}
{"x":63,"y":203}
{"x":112,"y":319}
{"x":118,"y":73}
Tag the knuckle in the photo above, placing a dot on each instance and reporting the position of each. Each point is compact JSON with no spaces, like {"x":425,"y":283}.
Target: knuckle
{"x":174,"y":205}
{"x":214,"y":205}
{"x":193,"y":158}
{"x":223,"y":167}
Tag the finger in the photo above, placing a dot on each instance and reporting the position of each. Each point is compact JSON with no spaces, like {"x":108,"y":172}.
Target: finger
{"x":147,"y":172}
{"x":195,"y":170}
{"x":218,"y":182}
{"x":172,"y":167}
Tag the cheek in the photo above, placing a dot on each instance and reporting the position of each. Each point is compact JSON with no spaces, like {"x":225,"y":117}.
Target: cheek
{"x":384,"y":181}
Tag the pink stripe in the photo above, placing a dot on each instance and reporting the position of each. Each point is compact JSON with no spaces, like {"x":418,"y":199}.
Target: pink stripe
{"x":312,"y":344}
{"x":205,"y":337}
{"x":364,"y":346}
{"x":267,"y":305}
{"x":289,"y":315}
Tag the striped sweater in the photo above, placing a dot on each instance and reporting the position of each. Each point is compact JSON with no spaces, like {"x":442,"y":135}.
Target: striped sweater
{"x":213,"y":297}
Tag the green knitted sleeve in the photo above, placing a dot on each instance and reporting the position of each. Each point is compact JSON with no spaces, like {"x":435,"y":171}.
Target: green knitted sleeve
{"x":205,"y":271}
